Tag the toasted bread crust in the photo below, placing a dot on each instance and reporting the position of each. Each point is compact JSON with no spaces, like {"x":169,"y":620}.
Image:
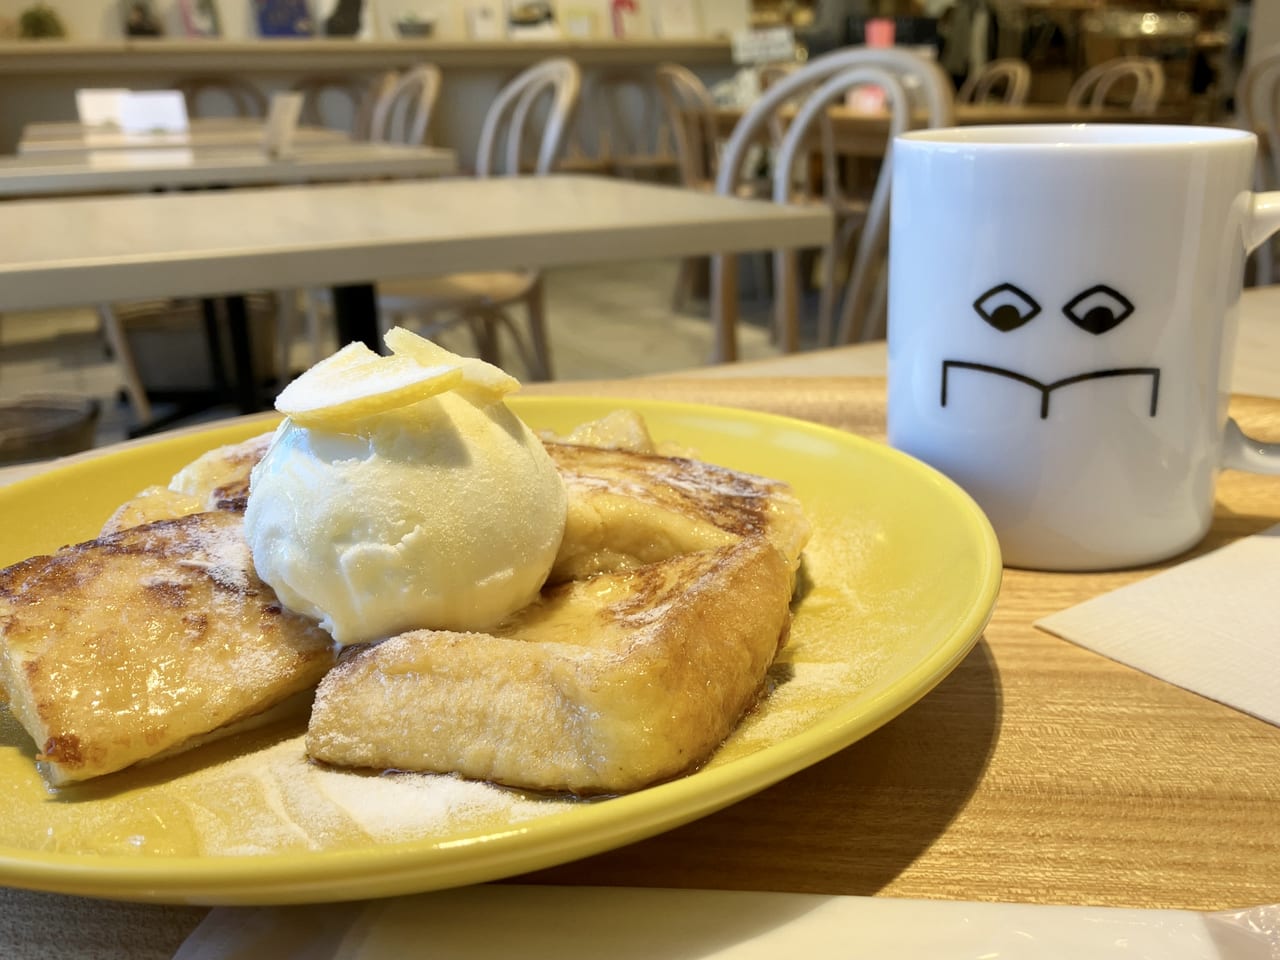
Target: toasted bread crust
{"x":627,"y":509}
{"x":121,"y":648}
{"x":605,"y":686}
{"x":216,"y":480}
{"x":220,"y":478}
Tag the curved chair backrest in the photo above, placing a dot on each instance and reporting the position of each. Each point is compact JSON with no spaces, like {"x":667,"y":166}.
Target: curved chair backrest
{"x":915,"y":89}
{"x":1009,"y":75}
{"x":318,"y":88}
{"x":510,"y":118}
{"x":1258,"y":108}
{"x":621,"y":116}
{"x":372,"y":94}
{"x":690,"y":111}
{"x":1094,"y":86}
{"x":402,"y":113}
{"x":922,"y":80}
{"x":769,"y":75}
{"x":246,"y":100}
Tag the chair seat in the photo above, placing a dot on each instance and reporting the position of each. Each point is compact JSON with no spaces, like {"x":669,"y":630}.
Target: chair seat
{"x":601,"y":165}
{"x":644,"y":161}
{"x":756,"y":189}
{"x":492,"y":288}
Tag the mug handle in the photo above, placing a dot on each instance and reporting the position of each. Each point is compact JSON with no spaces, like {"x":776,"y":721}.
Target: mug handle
{"x":1264,"y":219}
{"x":1240,"y":452}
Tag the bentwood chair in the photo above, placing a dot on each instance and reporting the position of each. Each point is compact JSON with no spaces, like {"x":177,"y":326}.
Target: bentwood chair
{"x":245,"y":99}
{"x":690,"y":116}
{"x":549,"y":90}
{"x":622,"y":129}
{"x":1095,"y":88}
{"x":392,"y":108}
{"x":319,"y":90}
{"x":1007,"y":81}
{"x":402,"y":112}
{"x":171,"y":326}
{"x":910,"y":82}
{"x":355,"y":100}
{"x":1258,"y":110}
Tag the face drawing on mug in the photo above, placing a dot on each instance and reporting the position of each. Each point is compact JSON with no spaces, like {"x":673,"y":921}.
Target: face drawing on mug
{"x":1096,"y":310}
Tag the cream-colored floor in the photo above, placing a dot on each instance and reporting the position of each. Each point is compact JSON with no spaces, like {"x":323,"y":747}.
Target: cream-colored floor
{"x":606,"y":321}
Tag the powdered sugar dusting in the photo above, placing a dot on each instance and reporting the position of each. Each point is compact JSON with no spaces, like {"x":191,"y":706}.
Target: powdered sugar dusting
{"x":222,"y":552}
{"x":275,"y":800}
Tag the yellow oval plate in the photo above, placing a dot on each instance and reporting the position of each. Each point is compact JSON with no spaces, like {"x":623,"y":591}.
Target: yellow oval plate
{"x":902,"y":574}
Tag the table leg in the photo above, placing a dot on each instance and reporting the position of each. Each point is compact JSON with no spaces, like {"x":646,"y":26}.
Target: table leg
{"x":213,"y":340}
{"x":355,"y":313}
{"x":244,"y":385}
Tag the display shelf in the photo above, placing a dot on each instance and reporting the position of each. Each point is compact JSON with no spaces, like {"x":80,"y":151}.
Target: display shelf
{"x":290,"y":56}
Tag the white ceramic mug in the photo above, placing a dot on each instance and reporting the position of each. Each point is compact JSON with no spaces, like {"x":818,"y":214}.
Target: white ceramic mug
{"x":1062,"y":312}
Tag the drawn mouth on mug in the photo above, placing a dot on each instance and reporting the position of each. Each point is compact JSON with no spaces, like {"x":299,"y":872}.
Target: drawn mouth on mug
{"x":1096,"y":310}
{"x":1046,"y":389}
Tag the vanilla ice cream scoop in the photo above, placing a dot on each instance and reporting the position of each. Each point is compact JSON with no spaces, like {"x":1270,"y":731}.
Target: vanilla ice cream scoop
{"x":444,"y":513}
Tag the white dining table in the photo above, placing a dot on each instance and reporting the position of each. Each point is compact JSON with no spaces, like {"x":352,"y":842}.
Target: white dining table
{"x":69,"y":138}
{"x":59,"y":252}
{"x":104,"y":171}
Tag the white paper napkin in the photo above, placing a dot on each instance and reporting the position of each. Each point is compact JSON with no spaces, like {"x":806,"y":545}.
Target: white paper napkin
{"x":1210,"y":625}
{"x":553,"y":923}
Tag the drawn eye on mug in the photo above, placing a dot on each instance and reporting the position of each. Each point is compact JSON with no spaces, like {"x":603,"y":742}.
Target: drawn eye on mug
{"x":1006,"y":307}
{"x":1098,"y":309}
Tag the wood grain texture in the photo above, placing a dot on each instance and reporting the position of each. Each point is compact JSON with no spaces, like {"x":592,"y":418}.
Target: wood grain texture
{"x":1036,"y":772}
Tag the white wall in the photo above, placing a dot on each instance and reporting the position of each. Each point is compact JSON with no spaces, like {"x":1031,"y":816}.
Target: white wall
{"x":101,"y":19}
{"x":36,"y":97}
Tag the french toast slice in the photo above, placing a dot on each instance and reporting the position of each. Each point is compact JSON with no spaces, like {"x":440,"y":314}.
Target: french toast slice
{"x":602,"y":686}
{"x":216,"y":480}
{"x":626,"y":506}
{"x":220,"y":478}
{"x":135,"y":644}
{"x":626,"y":509}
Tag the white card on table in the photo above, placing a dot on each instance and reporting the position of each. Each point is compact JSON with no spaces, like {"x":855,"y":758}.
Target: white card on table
{"x":282,"y":124}
{"x":153,"y":111}
{"x":100,"y":107}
